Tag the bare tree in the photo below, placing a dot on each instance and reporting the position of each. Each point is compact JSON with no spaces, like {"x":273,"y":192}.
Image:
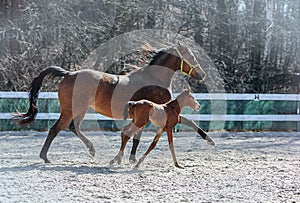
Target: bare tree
{"x":254,"y":43}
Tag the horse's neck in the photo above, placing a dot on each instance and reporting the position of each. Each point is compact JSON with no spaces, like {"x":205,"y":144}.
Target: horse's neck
{"x":168,"y":61}
{"x":154,"y":75}
{"x":161,"y":71}
{"x":174,"y":104}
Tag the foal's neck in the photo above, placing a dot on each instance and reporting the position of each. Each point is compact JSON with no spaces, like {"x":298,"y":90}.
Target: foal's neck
{"x":175,"y":105}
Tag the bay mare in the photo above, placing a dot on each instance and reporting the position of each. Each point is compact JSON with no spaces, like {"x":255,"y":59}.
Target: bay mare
{"x":108,"y":94}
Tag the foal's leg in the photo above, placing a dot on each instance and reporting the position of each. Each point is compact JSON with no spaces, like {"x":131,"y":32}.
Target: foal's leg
{"x":75,"y":128}
{"x":171,"y":145}
{"x":151,"y":147}
{"x":136,"y":141}
{"x":126,"y":134}
{"x":193,"y":125}
{"x":60,"y":124}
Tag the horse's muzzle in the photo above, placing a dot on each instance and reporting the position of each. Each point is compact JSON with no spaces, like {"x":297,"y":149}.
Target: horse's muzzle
{"x":201,"y":76}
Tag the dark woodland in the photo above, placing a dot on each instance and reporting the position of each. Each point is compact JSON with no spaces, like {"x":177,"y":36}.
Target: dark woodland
{"x":255,"y":44}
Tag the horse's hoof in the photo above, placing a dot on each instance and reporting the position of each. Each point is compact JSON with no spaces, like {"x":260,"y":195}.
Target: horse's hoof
{"x":112,"y":162}
{"x":47,"y":161}
{"x":132,"y":159}
{"x":210,"y":141}
{"x":178,"y":166}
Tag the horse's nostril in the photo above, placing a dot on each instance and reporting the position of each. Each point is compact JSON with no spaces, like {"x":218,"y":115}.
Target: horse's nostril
{"x":203,"y":77}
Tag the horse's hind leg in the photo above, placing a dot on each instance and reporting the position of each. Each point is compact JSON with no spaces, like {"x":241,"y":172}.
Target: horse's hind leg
{"x":151,"y":147}
{"x":60,"y":124}
{"x":193,"y":125}
{"x":75,"y":128}
{"x":136,"y":141}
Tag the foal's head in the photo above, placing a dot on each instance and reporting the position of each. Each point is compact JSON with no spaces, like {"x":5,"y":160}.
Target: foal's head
{"x":186,"y":99}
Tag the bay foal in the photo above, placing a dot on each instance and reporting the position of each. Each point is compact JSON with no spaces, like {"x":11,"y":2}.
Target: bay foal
{"x":163,"y":116}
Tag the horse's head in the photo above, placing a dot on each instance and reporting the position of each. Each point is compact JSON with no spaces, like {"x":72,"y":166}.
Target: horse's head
{"x":188,"y":63}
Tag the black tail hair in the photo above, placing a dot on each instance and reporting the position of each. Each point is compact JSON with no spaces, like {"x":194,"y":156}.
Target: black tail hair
{"x":52,"y":72}
{"x":125,"y":112}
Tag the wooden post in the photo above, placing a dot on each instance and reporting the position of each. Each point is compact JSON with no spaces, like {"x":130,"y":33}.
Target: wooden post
{"x":298,"y":112}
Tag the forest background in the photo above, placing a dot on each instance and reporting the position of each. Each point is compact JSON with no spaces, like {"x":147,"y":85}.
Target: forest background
{"x":253,"y":43}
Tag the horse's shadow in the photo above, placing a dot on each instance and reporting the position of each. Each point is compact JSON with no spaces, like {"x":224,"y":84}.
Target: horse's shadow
{"x":77,"y":169}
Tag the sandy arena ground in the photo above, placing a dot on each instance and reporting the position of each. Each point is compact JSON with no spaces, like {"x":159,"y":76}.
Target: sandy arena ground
{"x":242,"y":167}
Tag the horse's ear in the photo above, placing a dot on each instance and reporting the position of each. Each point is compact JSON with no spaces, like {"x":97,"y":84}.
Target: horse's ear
{"x":179,"y":43}
{"x":148,"y":47}
{"x":189,"y":88}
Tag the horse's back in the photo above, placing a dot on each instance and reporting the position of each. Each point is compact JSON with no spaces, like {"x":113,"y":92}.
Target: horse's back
{"x":80,"y":90}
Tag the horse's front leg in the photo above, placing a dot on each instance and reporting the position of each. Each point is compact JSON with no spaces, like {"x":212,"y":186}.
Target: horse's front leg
{"x":193,"y":125}
{"x":171,"y":145}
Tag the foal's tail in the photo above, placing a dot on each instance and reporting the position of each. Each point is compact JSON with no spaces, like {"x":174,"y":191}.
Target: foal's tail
{"x":127,"y":110}
{"x":27,"y":118}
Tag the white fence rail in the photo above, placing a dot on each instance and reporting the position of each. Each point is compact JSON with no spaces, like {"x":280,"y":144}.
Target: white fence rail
{"x":196,"y":117}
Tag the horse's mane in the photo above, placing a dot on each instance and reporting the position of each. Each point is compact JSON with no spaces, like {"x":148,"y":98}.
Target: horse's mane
{"x":155,"y":56}
{"x":159,"y":54}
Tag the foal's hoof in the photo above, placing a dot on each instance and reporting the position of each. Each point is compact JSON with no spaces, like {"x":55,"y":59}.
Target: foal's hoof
{"x":132,"y":159}
{"x":46,"y":160}
{"x":210,"y":141}
{"x":112,"y":162}
{"x":92,"y":152}
{"x":115,"y":160}
{"x":91,"y":148}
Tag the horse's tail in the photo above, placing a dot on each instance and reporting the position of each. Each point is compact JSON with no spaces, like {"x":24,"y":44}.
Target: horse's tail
{"x":127,"y":110}
{"x":27,"y":118}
